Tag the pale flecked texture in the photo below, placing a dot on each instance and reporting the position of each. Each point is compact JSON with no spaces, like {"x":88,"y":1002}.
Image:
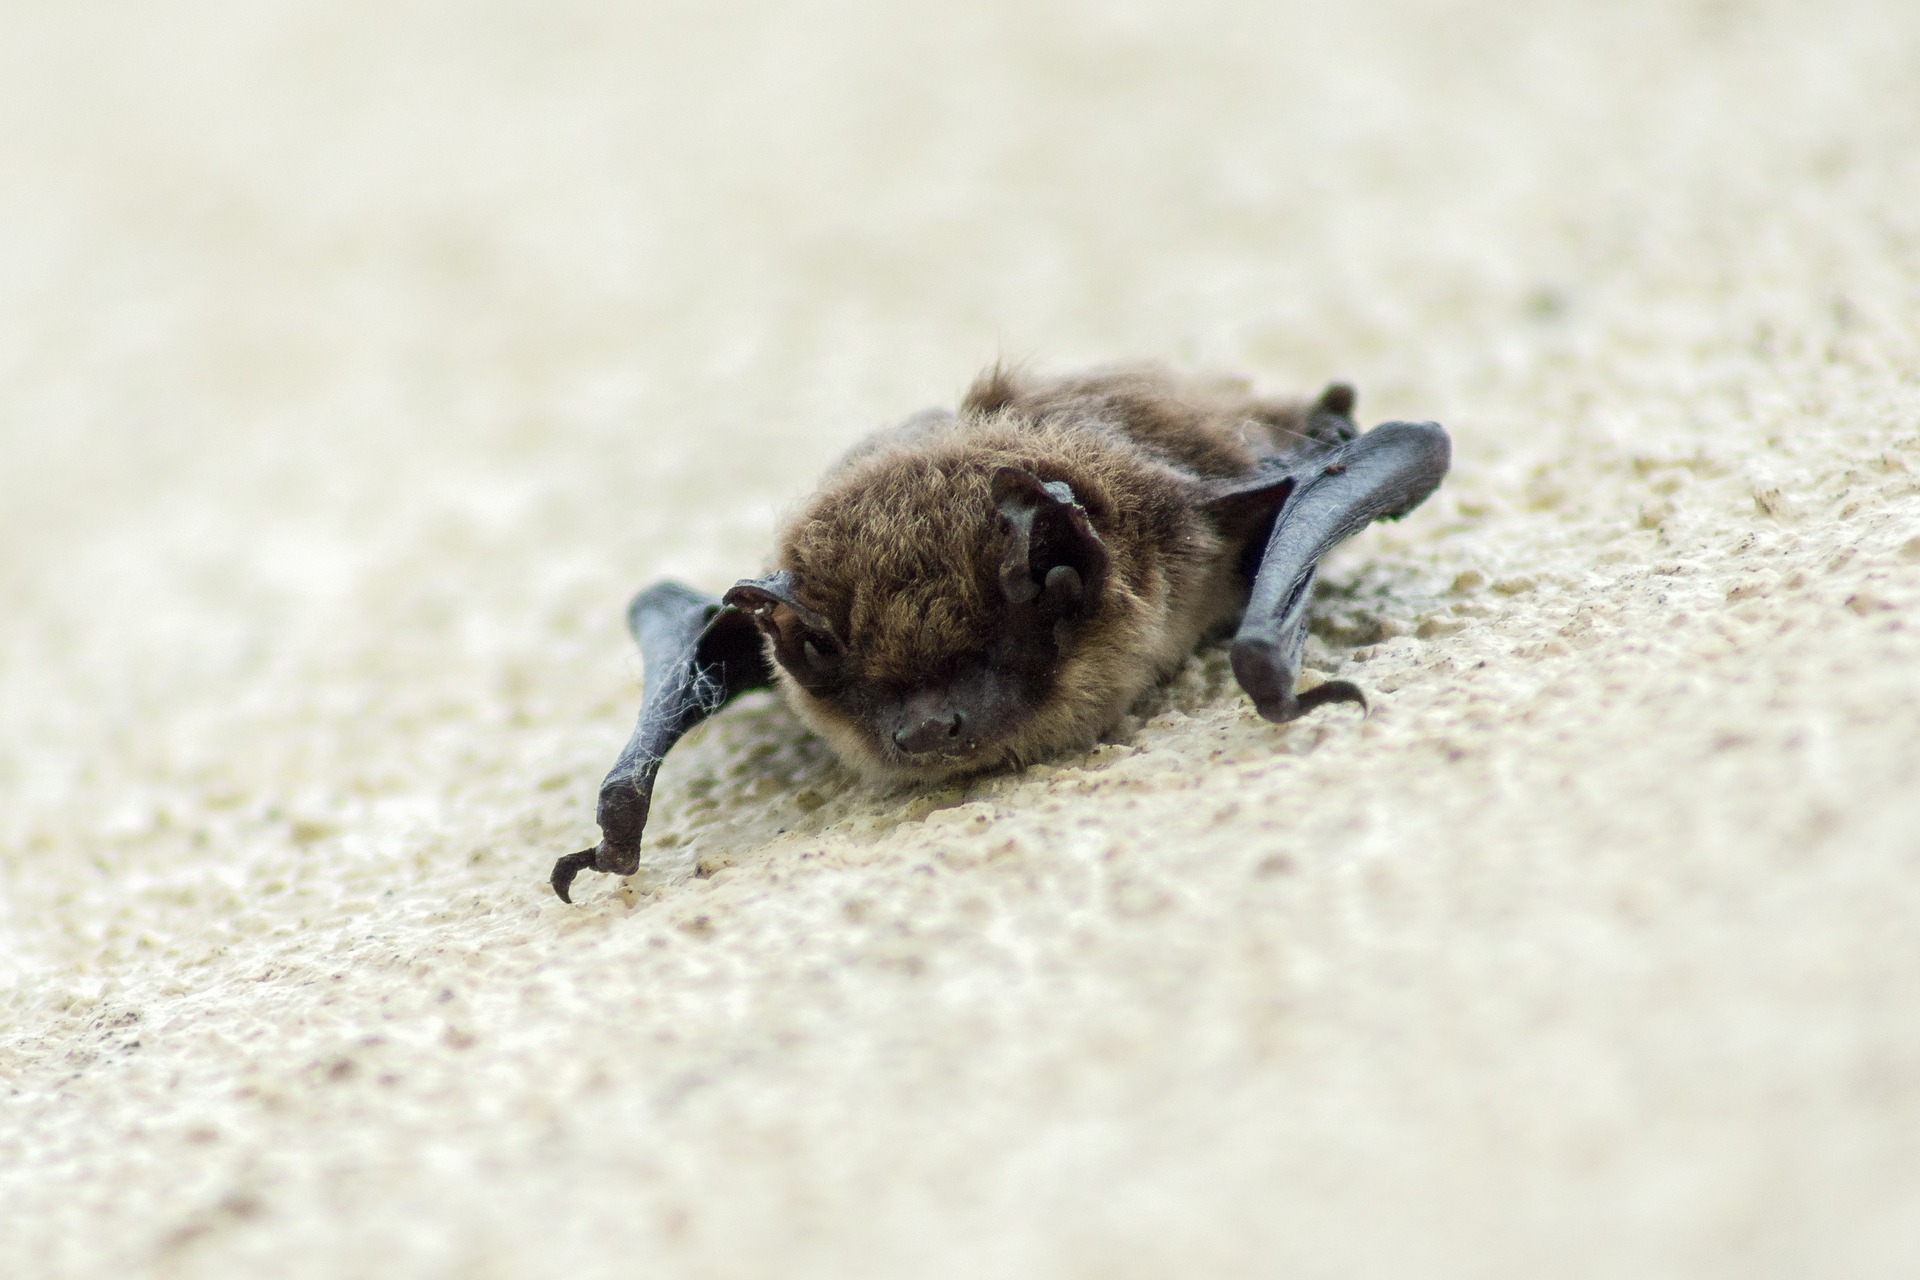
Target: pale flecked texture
{"x":357,"y":361}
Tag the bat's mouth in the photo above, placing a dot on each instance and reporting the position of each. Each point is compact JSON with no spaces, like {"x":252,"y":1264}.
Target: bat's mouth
{"x":948,"y":762}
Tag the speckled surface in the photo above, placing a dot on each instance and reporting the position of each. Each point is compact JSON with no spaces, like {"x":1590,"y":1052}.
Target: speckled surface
{"x":357,"y":361}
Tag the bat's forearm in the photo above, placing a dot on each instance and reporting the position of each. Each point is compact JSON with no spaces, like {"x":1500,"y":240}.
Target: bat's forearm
{"x":699,"y":655}
{"x":1381,"y":475}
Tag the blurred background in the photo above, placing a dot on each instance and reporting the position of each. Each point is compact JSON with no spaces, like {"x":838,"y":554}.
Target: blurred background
{"x":289,"y":292}
{"x":357,"y":361}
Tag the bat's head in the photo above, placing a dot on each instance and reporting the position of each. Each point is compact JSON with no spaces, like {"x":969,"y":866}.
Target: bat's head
{"x":947,"y":617}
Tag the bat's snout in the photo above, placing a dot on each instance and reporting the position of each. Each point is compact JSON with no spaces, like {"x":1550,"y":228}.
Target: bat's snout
{"x":942,"y":731}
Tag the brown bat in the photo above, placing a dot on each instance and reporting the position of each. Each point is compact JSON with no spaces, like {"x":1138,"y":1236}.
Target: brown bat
{"x":979,"y":589}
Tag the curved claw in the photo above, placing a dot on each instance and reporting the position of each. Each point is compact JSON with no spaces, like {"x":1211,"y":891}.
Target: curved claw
{"x":566,"y":869}
{"x":1332,"y":691}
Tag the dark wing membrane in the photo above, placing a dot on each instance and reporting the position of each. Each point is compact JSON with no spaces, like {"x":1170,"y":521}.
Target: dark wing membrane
{"x":699,"y":656}
{"x":1325,"y":496}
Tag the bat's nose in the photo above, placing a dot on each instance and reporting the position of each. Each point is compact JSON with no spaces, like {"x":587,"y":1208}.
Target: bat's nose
{"x":938,"y":732}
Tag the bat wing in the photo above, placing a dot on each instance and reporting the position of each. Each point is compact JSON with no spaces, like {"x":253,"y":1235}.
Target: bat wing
{"x":699,"y":656}
{"x":1336,"y":485}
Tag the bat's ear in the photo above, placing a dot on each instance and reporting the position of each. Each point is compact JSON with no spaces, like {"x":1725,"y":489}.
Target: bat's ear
{"x":1247,"y":500}
{"x":759,"y":596}
{"x":803,"y":639}
{"x":1331,"y":418}
{"x":1053,"y":553}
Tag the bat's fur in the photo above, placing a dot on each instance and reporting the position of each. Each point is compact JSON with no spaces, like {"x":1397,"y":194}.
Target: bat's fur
{"x":901,"y":548}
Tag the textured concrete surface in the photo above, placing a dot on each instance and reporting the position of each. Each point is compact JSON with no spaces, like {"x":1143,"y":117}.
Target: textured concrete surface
{"x":357,"y":361}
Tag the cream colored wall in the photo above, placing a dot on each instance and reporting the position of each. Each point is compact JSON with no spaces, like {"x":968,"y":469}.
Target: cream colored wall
{"x":357,"y":361}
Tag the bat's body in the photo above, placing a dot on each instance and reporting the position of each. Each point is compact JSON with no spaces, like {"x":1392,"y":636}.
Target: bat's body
{"x":982,"y":588}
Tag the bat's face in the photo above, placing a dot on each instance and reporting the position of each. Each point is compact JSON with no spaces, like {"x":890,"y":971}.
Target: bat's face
{"x":931,"y":623}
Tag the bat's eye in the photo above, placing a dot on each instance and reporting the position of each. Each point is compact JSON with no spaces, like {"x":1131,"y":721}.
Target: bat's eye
{"x":822,"y":655}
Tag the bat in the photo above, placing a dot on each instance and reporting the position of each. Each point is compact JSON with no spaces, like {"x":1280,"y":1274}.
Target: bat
{"x":979,"y":588}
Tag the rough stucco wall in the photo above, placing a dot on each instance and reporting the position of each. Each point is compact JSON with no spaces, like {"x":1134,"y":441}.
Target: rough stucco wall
{"x":357,"y":361}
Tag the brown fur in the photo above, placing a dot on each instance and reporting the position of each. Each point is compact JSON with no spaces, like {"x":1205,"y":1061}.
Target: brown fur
{"x":899,"y":550}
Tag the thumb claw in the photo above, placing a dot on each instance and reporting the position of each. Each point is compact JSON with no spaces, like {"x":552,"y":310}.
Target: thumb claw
{"x":1330,"y":692}
{"x":567,"y":868}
